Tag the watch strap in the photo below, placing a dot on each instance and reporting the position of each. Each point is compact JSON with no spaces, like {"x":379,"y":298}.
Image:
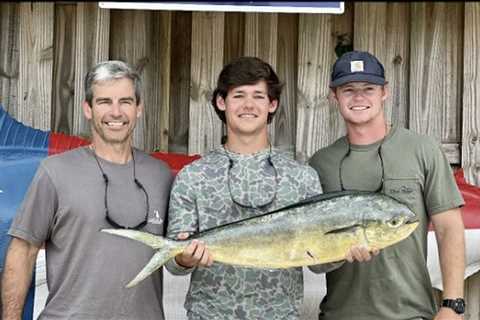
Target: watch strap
{"x":457,"y":305}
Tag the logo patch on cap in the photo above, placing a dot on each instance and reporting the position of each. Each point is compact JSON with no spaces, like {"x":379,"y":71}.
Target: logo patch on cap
{"x":356,"y":66}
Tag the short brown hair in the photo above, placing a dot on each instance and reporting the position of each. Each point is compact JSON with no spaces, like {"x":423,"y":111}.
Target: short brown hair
{"x":246,"y":71}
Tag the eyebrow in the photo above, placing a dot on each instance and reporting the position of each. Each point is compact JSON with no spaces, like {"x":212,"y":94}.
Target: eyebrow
{"x":255,"y":92}
{"x":108,"y":99}
{"x":102,"y":99}
{"x":347,"y":86}
{"x":127,"y":99}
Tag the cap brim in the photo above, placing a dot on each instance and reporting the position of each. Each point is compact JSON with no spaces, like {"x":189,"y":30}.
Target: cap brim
{"x":370,"y":78}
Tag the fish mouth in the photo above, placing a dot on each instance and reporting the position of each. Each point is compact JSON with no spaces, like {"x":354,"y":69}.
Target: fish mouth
{"x":413,"y":224}
{"x":412,"y":221}
{"x":344,"y":229}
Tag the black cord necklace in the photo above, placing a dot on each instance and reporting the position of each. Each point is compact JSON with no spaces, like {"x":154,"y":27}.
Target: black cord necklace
{"x":109,"y":219}
{"x":379,"y":152}
{"x":251,"y":205}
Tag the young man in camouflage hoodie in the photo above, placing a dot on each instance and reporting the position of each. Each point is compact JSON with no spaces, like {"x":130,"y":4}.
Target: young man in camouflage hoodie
{"x":242,"y":178}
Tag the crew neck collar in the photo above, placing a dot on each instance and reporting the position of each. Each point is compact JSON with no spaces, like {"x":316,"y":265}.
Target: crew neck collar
{"x":91,"y":153}
{"x":374,"y":145}
{"x":259,"y":154}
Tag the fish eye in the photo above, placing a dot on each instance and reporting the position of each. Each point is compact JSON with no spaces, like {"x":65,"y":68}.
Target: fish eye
{"x":395,"y":222}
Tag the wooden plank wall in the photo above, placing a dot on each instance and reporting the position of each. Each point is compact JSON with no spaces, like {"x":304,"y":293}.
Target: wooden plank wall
{"x":205,"y":130}
{"x":436,"y":72}
{"x":9,"y":25}
{"x":35,"y":85}
{"x":46,"y":48}
{"x":92,"y":27}
{"x":471,"y":96}
{"x":313,"y":113}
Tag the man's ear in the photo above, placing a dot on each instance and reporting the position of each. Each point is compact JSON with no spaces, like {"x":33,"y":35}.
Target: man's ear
{"x":87,"y":110}
{"x":220,"y":103}
{"x":332,"y":95}
{"x":386,"y":92}
{"x":273,"y":106}
{"x":140,"y":109}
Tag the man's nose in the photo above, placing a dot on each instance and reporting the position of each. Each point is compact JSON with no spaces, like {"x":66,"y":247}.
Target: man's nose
{"x":116,"y":109}
{"x":249,"y":102}
{"x":358,"y":94}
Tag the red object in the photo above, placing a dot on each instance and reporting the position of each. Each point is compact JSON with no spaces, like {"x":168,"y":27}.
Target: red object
{"x":60,"y":142}
{"x":471,"y":195}
{"x":175,"y":161}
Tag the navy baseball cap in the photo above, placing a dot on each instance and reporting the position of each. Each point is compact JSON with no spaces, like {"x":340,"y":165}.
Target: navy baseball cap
{"x":357,"y":66}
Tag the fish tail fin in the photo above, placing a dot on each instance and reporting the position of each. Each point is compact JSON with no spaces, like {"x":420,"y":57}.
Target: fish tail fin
{"x":158,"y":260}
{"x":166,"y":249}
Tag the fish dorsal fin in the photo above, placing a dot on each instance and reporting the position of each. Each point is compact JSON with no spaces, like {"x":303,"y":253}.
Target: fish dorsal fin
{"x":310,"y":200}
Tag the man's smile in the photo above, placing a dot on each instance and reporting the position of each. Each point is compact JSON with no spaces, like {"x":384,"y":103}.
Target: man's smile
{"x":247,"y":115}
{"x":115,"y":123}
{"x":359,"y":108}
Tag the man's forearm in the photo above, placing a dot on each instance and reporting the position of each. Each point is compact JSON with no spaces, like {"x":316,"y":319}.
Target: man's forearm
{"x":17,"y":276}
{"x":451,"y":248}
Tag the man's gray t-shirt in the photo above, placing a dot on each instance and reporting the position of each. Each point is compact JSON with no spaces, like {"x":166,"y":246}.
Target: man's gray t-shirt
{"x":87,"y":270}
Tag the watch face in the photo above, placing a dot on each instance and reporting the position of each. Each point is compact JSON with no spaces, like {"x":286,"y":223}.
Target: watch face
{"x":459,"y":306}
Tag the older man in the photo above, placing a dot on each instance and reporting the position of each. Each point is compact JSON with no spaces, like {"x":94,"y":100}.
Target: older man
{"x":75,"y":194}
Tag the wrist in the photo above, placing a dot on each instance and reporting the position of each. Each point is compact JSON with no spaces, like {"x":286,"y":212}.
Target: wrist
{"x":181,"y":263}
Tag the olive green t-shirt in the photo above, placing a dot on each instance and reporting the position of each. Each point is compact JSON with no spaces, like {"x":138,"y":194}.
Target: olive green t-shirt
{"x":395,"y":284}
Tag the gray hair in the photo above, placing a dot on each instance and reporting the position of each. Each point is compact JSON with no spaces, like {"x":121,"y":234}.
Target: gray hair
{"x":111,"y":70}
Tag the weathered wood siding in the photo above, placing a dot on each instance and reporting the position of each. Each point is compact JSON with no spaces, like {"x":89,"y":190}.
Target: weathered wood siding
{"x":36,"y":53}
{"x":9,"y":15}
{"x":471,"y":95}
{"x":180,"y":81}
{"x":46,"y":48}
{"x":315,"y":115}
{"x":436,"y":72}
{"x":205,"y":130}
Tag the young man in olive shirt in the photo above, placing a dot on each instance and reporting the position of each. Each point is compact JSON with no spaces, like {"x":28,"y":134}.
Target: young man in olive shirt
{"x":409,"y":167}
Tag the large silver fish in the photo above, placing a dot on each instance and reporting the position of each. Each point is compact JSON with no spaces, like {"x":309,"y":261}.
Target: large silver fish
{"x":317,"y":230}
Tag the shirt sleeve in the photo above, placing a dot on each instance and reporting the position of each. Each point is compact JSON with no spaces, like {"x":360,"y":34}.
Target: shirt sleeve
{"x":174,"y":268}
{"x":326,"y":267}
{"x":440,"y":191}
{"x":182,"y":214}
{"x":33,"y":221}
{"x":182,"y":211}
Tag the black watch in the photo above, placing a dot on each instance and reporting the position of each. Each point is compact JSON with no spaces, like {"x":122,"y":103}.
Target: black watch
{"x":458,"y":305}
